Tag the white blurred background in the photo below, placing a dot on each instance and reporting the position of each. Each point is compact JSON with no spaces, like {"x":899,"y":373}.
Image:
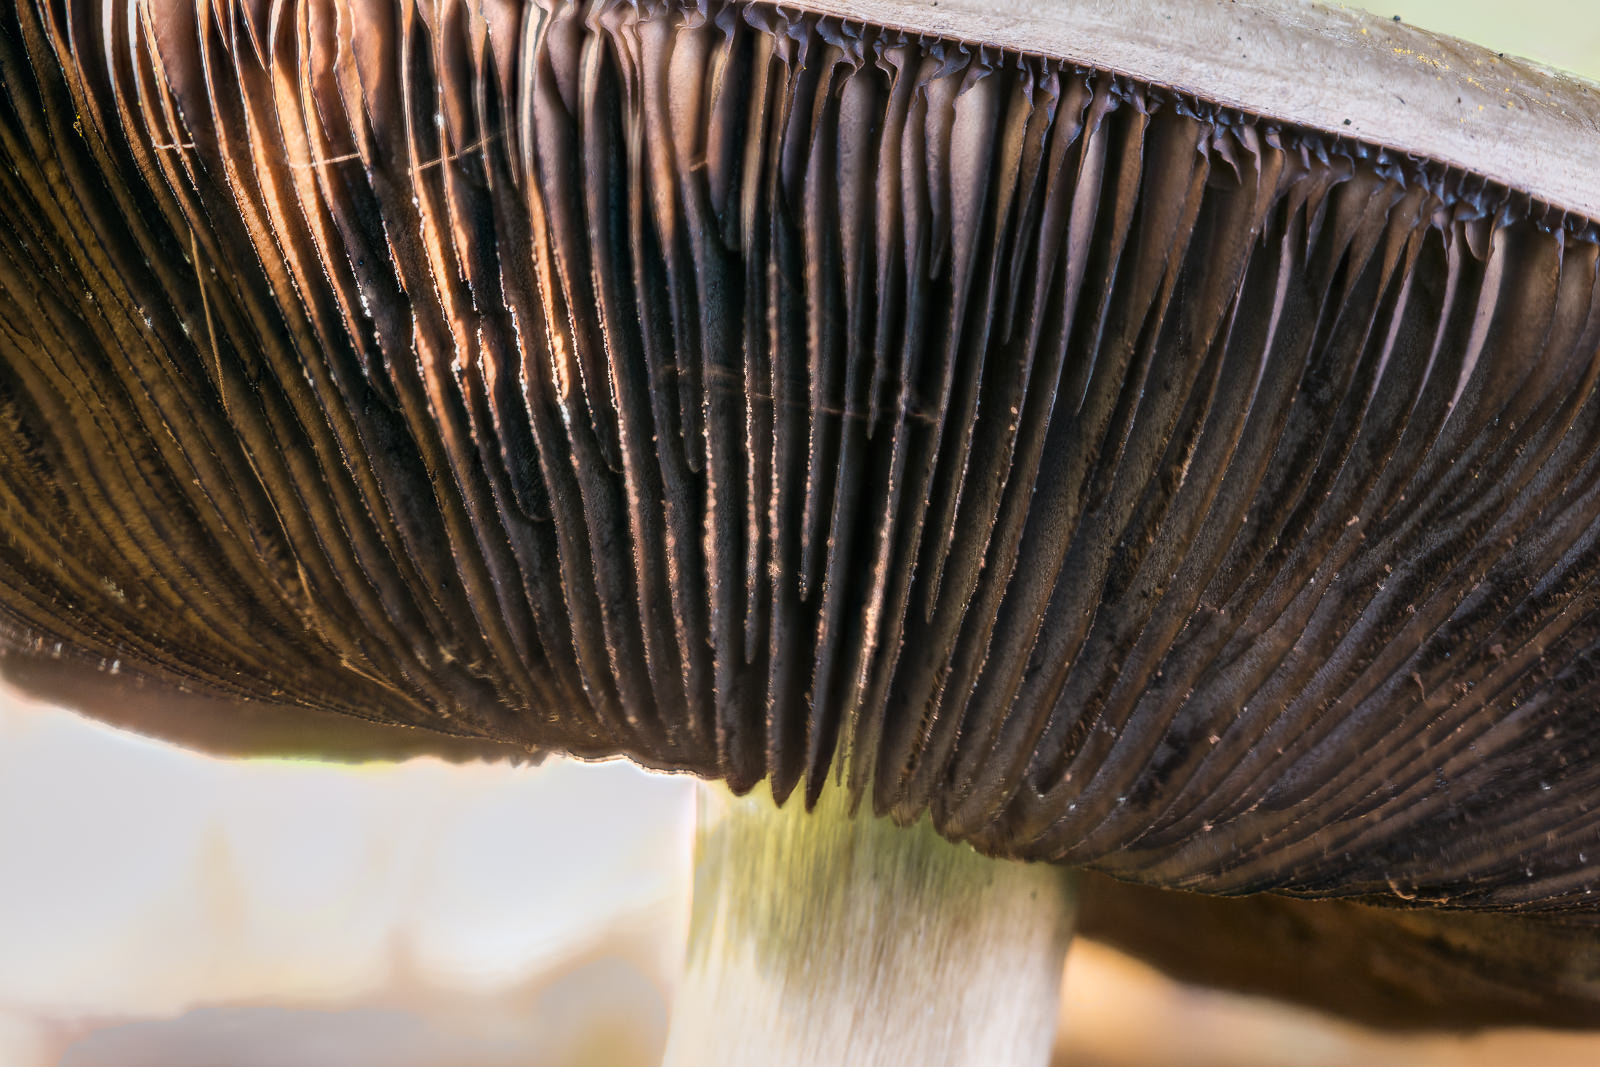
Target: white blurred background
{"x":163,"y":909}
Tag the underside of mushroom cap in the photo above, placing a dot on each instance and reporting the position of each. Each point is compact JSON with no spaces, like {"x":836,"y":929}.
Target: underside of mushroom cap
{"x":1129,"y":480}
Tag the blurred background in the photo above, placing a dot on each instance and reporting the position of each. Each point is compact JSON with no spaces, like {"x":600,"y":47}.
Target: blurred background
{"x":164,"y":909}
{"x":1558,"y":33}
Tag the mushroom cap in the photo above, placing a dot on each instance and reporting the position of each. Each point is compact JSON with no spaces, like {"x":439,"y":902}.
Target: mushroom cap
{"x":1114,"y":457}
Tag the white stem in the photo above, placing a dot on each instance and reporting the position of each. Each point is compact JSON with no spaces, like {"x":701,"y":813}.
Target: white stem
{"x":822,"y":938}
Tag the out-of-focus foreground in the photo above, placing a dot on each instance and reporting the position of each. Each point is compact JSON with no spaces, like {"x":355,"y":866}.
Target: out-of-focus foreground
{"x":163,"y":909}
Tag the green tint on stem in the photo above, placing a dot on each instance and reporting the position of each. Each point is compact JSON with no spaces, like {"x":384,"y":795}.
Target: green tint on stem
{"x":827,"y":938}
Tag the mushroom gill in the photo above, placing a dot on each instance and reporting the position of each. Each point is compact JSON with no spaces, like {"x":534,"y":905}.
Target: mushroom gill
{"x":1124,"y":479}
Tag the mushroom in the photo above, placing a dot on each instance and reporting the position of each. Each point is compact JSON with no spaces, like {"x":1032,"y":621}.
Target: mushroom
{"x":1155,"y":440}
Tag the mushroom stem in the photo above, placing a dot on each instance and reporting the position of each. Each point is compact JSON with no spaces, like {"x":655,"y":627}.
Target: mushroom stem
{"x":840,"y":938}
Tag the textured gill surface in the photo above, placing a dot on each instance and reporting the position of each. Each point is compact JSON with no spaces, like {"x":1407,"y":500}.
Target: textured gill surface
{"x":1130,"y":482}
